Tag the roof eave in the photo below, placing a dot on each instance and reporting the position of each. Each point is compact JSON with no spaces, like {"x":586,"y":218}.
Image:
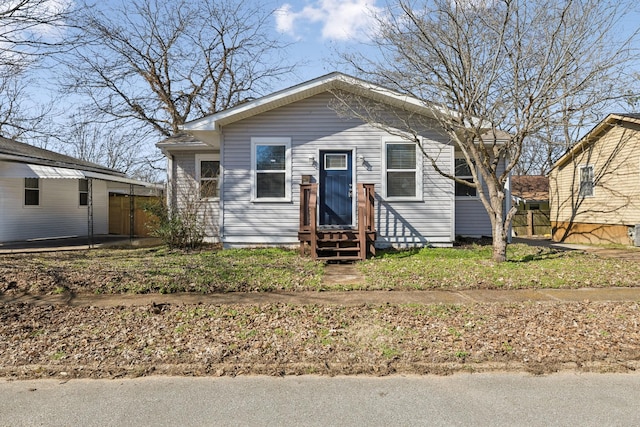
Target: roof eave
{"x":45,"y":162}
{"x":591,"y":136}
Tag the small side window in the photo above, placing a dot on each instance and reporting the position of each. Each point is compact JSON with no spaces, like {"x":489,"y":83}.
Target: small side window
{"x":209,"y":172}
{"x":586,"y":181}
{"x":32,"y":192}
{"x":83,"y":189}
{"x":463,"y":171}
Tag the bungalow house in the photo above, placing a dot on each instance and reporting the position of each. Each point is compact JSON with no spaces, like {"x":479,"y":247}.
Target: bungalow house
{"x":595,"y":186}
{"x":44,"y":194}
{"x":291,"y":168}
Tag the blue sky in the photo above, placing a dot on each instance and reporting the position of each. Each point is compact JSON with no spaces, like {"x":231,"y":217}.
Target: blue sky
{"x":319,"y":27}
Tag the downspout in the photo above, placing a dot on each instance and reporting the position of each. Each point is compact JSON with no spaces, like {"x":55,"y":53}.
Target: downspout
{"x":221,"y":191}
{"x":171,"y":204}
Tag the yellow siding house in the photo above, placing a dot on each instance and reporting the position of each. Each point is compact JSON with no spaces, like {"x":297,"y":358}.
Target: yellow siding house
{"x":594,"y":188}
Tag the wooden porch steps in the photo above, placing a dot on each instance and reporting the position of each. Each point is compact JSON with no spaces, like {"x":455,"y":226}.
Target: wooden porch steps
{"x":333,"y":244}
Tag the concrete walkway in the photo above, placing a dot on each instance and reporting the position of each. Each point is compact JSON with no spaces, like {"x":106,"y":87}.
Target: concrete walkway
{"x":76,"y":243}
{"x":629,"y":252}
{"x":347,"y":298}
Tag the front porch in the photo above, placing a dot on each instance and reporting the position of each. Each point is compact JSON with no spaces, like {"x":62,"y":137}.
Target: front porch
{"x":337,"y":244}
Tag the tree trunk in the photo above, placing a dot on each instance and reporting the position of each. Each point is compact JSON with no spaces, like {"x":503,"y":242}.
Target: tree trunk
{"x":498,"y":228}
{"x":499,"y":241}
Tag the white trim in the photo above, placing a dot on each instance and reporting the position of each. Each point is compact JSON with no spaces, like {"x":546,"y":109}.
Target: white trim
{"x":276,"y":141}
{"x":211,"y":157}
{"x":222,"y":188}
{"x":346,"y":166}
{"x":452,"y":159}
{"x":419,"y":171}
{"x":354,"y":181}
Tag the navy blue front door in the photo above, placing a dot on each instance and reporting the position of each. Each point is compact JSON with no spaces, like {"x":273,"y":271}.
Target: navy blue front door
{"x":336,"y":198}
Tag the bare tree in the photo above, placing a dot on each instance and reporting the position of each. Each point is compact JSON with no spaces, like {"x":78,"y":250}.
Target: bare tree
{"x":105,"y":143}
{"x":30,"y":32}
{"x":157,"y":64}
{"x":499,"y":66}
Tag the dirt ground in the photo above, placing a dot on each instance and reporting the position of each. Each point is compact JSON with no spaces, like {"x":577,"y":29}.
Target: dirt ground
{"x":45,"y":339}
{"x":294,"y":339}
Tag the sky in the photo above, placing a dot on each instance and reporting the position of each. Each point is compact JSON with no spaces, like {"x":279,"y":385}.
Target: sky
{"x":319,"y":27}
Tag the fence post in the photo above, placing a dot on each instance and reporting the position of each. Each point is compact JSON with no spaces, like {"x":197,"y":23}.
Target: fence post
{"x":530,"y":230}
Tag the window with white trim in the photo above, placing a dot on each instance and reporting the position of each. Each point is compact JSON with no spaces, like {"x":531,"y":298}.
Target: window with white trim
{"x":463,"y":171}
{"x":271,"y":164}
{"x":208,"y":175}
{"x":586,"y":181}
{"x":83,"y":190}
{"x":401,"y":175}
{"x":32,"y":192}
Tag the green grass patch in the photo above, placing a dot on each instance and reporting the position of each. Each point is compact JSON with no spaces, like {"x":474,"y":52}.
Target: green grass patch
{"x":106,"y":271}
{"x":159,"y":270}
{"x":472,"y":268}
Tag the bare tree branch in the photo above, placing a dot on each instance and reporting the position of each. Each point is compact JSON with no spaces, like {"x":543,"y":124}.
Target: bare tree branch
{"x":536,"y":69}
{"x":164,"y":63}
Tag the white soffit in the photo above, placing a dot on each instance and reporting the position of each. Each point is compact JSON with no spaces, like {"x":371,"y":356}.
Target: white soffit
{"x":25,"y":170}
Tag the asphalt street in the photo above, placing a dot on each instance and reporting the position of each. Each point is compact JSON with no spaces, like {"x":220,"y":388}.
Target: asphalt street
{"x":566,"y":399}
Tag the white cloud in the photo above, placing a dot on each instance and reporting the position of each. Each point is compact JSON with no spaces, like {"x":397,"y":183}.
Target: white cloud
{"x":340,"y":19}
{"x":284,"y":19}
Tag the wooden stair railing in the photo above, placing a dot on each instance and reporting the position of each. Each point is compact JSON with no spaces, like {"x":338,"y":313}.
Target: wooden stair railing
{"x":338,"y":245}
{"x":366,"y":220}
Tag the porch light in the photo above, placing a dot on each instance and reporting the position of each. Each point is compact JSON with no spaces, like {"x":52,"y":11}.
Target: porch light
{"x":312,"y":160}
{"x":361,"y":160}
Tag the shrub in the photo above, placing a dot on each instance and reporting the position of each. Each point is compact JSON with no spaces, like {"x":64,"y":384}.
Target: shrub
{"x":178,"y":229}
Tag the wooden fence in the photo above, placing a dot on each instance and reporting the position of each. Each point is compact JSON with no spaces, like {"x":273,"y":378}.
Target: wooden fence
{"x":531,"y":223}
{"x":120,"y":214}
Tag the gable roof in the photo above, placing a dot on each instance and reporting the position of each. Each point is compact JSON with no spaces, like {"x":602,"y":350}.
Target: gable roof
{"x":202,"y":128}
{"x":595,"y":133}
{"x":530,"y":187}
{"x":25,"y":153}
{"x":26,"y":161}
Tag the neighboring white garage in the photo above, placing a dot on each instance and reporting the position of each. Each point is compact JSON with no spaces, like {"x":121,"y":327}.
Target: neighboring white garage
{"x":45,"y":195}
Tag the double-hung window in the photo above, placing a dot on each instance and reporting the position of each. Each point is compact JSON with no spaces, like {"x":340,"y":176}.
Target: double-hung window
{"x":402,"y":178}
{"x":586,"y":181}
{"x":208,"y":175}
{"x":83,"y":190}
{"x":463,"y":172}
{"x":31,"y":192}
{"x":271,"y":169}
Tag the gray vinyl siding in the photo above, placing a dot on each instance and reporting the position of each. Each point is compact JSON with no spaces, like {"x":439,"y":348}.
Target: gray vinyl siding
{"x":186,"y":197}
{"x":58,"y":215}
{"x":472,"y":219}
{"x":313,"y":126}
